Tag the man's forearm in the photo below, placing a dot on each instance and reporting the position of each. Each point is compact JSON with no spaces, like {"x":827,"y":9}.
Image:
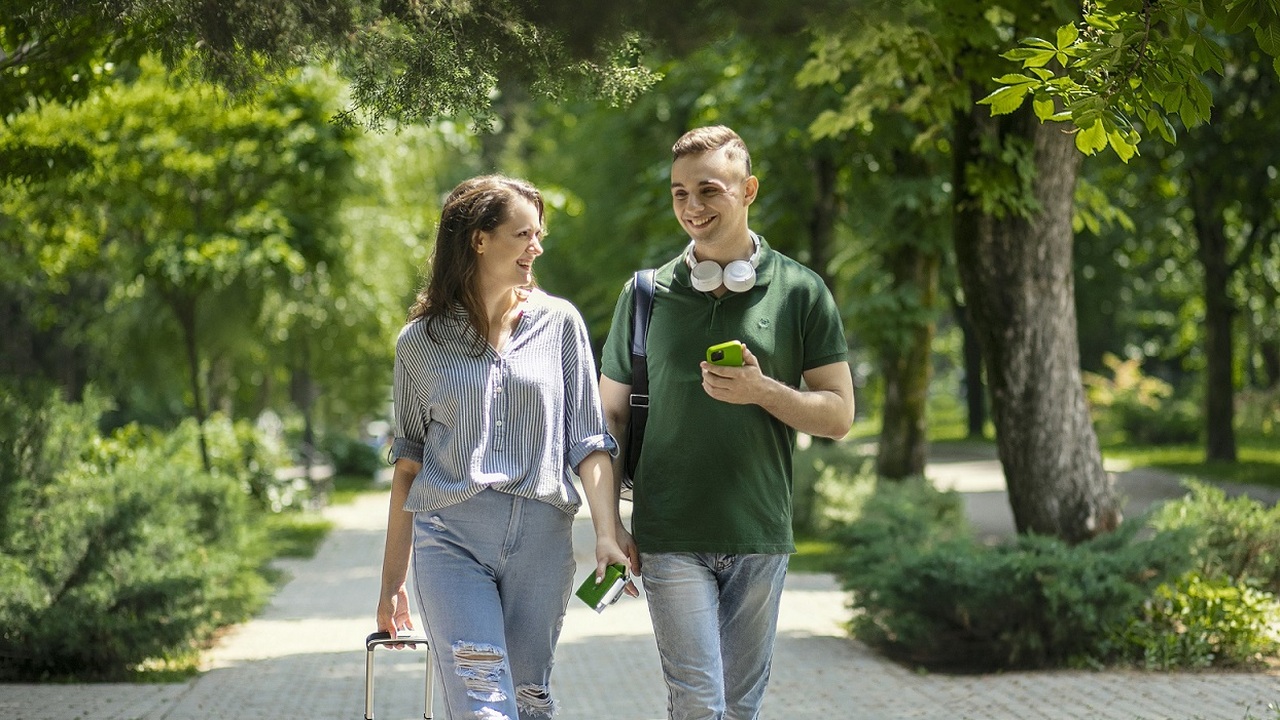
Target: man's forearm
{"x":816,"y":412}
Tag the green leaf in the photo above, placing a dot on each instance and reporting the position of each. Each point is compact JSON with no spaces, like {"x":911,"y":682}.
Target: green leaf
{"x":1105,"y":23}
{"x":1201,"y":99}
{"x":1205,"y":53}
{"x":1036,"y":42}
{"x":1161,"y":124}
{"x":1187,"y":112}
{"x":1044,"y":108}
{"x":1067,"y":34}
{"x":1014,"y":79}
{"x":1269,"y":39}
{"x":1091,"y":139}
{"x":1241,"y":15}
{"x":1029,"y":57}
{"x":1006,"y":99}
{"x":1121,"y":145}
{"x":829,"y":124}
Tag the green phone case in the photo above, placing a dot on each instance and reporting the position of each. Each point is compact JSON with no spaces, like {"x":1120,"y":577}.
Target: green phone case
{"x":726,"y":353}
{"x":598,"y":597}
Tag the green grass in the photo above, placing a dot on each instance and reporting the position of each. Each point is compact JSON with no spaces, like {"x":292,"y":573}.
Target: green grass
{"x":296,"y":534}
{"x":814,"y":555}
{"x":1258,"y":455}
{"x":1258,"y":461}
{"x":346,"y":488}
{"x":299,"y":534}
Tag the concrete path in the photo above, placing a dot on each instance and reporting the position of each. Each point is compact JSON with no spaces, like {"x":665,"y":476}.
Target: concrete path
{"x":304,"y":658}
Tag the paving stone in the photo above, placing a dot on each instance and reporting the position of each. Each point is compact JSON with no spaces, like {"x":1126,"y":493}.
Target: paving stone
{"x":303,"y":657}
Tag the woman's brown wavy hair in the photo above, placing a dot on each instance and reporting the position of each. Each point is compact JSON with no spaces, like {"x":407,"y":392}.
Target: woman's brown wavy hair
{"x":481,"y":203}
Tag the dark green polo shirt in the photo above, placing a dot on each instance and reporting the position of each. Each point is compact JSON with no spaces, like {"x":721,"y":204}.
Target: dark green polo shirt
{"x":713,"y":476}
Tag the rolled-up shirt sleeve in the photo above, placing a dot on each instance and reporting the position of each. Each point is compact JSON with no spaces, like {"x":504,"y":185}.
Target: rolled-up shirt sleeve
{"x":410,"y":424}
{"x":585,"y":428}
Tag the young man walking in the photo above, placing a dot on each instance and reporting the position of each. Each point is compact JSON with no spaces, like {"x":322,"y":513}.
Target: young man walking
{"x":712,"y":513}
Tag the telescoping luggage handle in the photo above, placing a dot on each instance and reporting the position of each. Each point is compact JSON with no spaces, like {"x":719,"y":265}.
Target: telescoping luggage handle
{"x":383,"y":638}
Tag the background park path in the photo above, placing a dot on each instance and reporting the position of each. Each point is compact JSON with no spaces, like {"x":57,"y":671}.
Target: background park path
{"x":303,"y":656}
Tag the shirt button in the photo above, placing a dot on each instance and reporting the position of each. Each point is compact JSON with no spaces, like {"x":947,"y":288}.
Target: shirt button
{"x":498,"y":389}
{"x":499,"y":423}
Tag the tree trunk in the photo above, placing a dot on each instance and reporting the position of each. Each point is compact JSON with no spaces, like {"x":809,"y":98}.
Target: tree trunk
{"x":1270,"y":352}
{"x":1016,"y":271}
{"x":302,"y":390}
{"x":185,"y":312}
{"x":822,"y":220}
{"x":912,"y":259}
{"x":964,"y":222}
{"x":1269,"y":346}
{"x":907,"y":369}
{"x":975,"y":389}
{"x":1219,"y":346}
{"x":822,"y":224}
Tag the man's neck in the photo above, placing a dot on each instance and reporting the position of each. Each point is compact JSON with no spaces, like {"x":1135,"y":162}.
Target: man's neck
{"x":724,"y":252}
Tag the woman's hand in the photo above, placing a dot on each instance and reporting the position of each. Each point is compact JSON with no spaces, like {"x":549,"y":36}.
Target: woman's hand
{"x":393,"y":614}
{"x":621,"y":550}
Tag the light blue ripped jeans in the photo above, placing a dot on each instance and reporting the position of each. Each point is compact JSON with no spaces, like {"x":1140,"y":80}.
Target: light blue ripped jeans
{"x":715,"y":618}
{"x":493,"y":576}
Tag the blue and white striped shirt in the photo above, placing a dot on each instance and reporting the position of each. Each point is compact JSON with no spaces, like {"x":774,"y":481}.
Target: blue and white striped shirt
{"x":516,"y":420}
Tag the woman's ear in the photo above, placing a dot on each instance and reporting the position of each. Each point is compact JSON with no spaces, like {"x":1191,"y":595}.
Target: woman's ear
{"x":478,"y":238}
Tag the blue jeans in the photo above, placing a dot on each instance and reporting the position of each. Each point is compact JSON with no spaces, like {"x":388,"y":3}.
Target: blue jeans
{"x":493,"y":576}
{"x":715,"y":618}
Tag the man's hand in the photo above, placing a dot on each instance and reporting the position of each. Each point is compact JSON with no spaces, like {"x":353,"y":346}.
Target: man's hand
{"x":743,"y":385}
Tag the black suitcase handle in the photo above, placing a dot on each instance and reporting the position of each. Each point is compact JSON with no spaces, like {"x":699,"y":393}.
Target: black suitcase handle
{"x":382,"y":639}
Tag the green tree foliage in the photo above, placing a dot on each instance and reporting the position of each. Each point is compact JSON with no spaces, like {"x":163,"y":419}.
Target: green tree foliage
{"x":201,"y":226}
{"x":613,"y":217}
{"x":1012,"y":208}
{"x":1131,"y":65}
{"x":408,"y":60}
{"x":1198,"y":269}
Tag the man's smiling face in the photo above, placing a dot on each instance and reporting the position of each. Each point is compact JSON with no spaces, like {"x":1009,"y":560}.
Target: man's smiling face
{"x":710,"y":193}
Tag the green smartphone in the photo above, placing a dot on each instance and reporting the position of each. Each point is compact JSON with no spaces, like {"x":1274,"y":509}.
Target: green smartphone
{"x":599,"y":596}
{"x":726,"y":353}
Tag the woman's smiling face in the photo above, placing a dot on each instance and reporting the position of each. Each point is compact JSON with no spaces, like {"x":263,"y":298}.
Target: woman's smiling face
{"x":506,"y":254}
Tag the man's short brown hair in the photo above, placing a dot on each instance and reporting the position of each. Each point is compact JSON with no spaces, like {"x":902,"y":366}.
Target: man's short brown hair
{"x":709,"y":139}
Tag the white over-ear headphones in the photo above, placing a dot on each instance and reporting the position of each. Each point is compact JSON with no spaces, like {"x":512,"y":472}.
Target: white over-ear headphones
{"x":737,"y":276}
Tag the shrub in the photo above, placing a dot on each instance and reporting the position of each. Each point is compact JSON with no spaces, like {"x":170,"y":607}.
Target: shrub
{"x":115,"y":542}
{"x":927,"y":593}
{"x":351,"y":456}
{"x":237,"y":450}
{"x":1198,"y":623}
{"x":1138,"y":407}
{"x":1234,"y":538}
{"x":831,"y":486}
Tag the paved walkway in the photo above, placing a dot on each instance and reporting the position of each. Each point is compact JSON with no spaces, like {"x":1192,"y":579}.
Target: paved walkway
{"x":303,"y":658}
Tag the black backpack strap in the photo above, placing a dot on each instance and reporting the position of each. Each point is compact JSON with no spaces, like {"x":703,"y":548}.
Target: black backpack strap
{"x":643,"y":295}
{"x":640,"y":338}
